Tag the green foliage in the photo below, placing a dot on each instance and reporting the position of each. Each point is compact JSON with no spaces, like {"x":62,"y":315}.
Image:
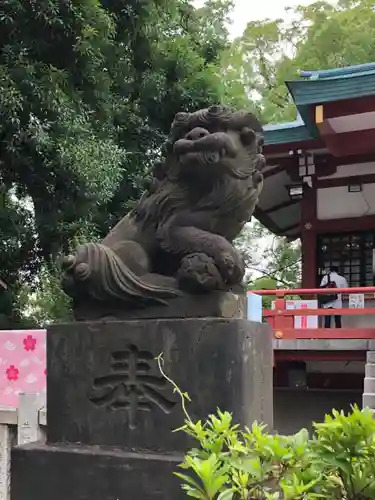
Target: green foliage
{"x":321,"y":35}
{"x":338,"y":462}
{"x":58,"y":156}
{"x":17,"y":254}
{"x":271,"y":261}
{"x":345,"y":447}
{"x":265,"y":283}
{"x":88,"y":89}
{"x":87,"y":93}
{"x":229,"y":463}
{"x":45,"y":302}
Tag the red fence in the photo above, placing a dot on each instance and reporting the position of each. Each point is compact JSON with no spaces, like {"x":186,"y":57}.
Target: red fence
{"x":282,"y":319}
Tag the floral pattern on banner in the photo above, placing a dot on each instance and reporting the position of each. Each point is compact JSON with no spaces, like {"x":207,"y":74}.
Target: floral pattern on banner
{"x":22,"y":364}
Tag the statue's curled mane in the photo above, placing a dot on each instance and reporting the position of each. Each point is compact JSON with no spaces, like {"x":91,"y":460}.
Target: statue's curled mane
{"x":171,"y":194}
{"x":178,"y":238}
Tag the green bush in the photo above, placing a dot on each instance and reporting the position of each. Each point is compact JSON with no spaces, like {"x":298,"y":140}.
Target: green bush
{"x":337,"y":462}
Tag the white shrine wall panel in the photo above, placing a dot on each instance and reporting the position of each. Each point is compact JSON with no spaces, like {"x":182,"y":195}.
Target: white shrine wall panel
{"x":351,"y":170}
{"x":338,"y":203}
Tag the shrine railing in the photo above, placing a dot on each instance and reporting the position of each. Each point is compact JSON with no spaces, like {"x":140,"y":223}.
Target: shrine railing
{"x":302,"y":319}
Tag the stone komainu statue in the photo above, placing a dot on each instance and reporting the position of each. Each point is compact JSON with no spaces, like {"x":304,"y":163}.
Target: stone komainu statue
{"x":179,"y":237}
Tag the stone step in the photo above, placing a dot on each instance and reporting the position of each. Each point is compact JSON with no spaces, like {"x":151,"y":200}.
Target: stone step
{"x":368,"y":400}
{"x":369,"y":386}
{"x":369,"y":370}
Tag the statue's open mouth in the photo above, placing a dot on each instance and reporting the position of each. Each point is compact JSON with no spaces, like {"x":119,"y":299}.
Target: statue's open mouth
{"x":209,"y":149}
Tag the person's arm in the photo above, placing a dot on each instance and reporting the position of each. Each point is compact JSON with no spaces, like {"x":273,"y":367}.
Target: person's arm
{"x":324,"y":280}
{"x":345,"y":283}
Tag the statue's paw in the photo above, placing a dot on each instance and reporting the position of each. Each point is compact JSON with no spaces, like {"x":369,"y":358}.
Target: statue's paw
{"x":75,"y":270}
{"x":231,"y":267}
{"x":68,"y":263}
{"x":198,"y":273}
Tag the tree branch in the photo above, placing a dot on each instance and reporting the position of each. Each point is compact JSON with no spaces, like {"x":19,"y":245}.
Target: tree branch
{"x":284,"y":101}
{"x":269,"y":275}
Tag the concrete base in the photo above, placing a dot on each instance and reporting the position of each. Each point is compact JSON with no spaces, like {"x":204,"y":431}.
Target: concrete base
{"x":111,"y":413}
{"x":368,"y":400}
{"x":104,"y":386}
{"x":65,"y":472}
{"x":324,"y":345}
{"x":212,"y":305}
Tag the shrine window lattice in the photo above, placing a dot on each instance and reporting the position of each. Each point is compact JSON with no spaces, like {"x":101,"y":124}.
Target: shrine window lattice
{"x":352,"y":253}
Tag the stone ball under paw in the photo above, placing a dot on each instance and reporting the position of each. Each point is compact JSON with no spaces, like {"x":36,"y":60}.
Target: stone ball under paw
{"x":198,"y":273}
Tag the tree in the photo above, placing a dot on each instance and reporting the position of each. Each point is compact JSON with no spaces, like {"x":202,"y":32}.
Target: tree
{"x":88,"y":90}
{"x":16,"y":222}
{"x":87,"y":93}
{"x":45,"y":303}
{"x":322,"y":35}
{"x":167,"y":59}
{"x":271,"y":261}
{"x":58,"y":156}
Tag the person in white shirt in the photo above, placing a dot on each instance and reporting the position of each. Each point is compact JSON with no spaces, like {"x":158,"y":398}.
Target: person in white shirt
{"x":340,"y":282}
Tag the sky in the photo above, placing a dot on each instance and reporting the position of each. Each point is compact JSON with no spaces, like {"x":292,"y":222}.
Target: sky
{"x":250,"y":10}
{"x":247,"y":10}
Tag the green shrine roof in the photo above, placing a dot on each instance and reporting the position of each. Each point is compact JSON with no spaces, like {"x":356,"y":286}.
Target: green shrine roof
{"x":316,"y":87}
{"x":286,"y":132}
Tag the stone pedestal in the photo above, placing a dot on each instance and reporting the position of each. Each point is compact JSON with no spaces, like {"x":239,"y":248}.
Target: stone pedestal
{"x":111,"y":414}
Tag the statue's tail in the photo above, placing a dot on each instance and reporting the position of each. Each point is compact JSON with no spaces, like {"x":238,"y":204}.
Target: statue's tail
{"x":99,"y":272}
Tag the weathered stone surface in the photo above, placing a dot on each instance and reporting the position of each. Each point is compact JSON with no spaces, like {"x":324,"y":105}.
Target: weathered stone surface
{"x":323,"y":345}
{"x":370,"y":370}
{"x":111,"y":414}
{"x":79,"y":472}
{"x":369,"y":386}
{"x":179,"y":237}
{"x":370,"y":357}
{"x":213,"y":305}
{"x":104,"y":387}
{"x":368,"y":400}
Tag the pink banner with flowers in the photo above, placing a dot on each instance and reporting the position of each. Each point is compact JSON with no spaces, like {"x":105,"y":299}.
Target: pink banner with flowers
{"x":22,"y":364}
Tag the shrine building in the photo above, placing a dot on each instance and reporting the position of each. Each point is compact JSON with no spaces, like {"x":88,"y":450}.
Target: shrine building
{"x":319,"y":186}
